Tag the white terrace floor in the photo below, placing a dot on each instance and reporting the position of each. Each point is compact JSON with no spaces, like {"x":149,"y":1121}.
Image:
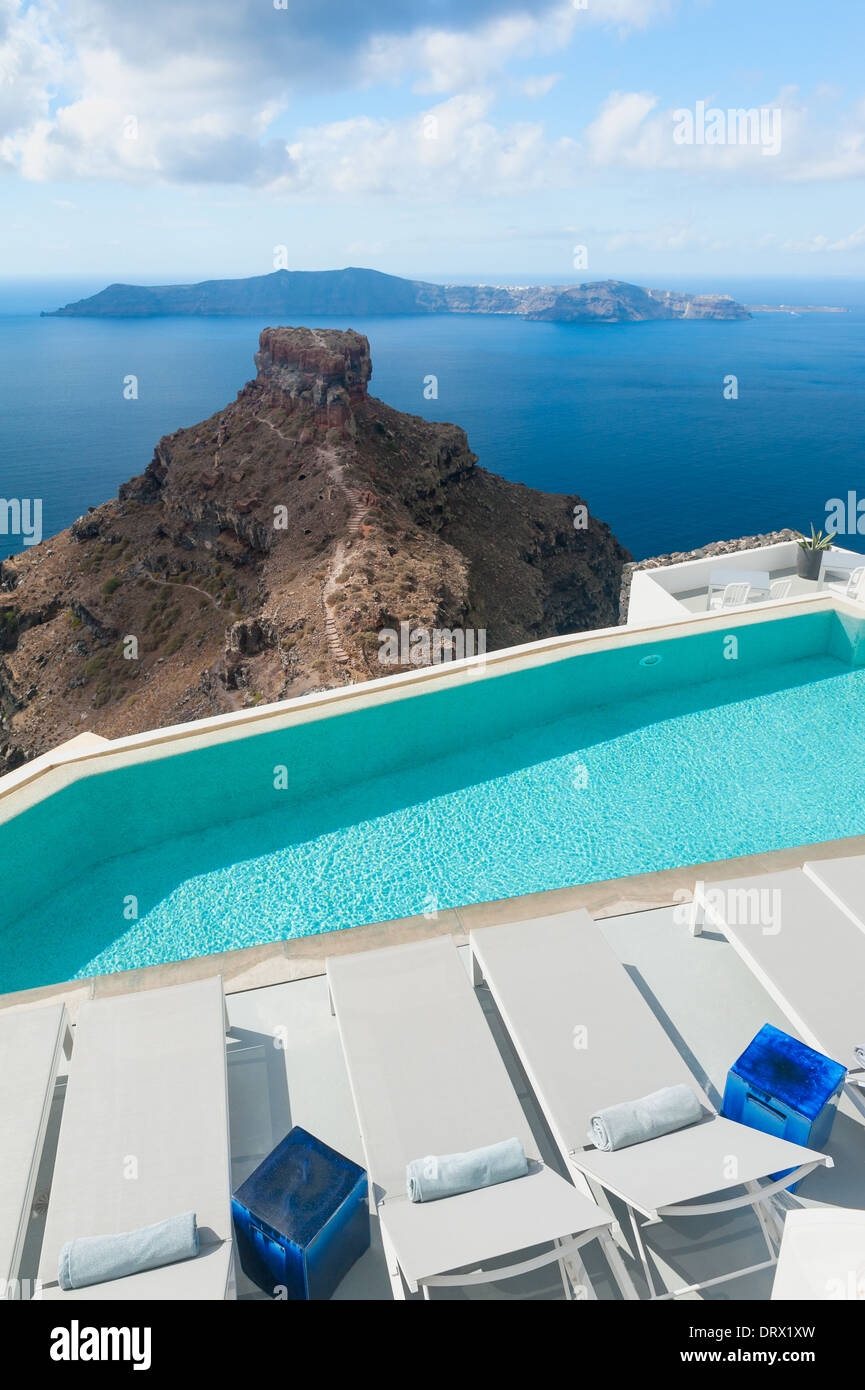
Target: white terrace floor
{"x":697,"y":600}
{"x":700,"y":990}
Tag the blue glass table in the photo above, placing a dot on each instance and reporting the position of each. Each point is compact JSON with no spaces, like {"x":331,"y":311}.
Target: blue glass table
{"x":781,"y":1086}
{"x":301,"y":1219}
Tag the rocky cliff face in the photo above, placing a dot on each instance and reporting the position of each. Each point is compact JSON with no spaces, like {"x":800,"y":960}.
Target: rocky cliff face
{"x":612,"y":301}
{"x":326,"y":371}
{"x":262,"y":553}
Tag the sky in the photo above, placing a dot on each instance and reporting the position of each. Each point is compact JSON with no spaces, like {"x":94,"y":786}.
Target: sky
{"x":482,"y":140}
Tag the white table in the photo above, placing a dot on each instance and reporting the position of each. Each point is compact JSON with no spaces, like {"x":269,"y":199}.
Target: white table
{"x":719,"y":578}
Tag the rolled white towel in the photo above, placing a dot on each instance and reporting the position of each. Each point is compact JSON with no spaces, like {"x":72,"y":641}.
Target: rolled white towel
{"x":859,"y":1055}
{"x":634,"y":1121}
{"x":447,"y":1175}
{"x":98,"y":1259}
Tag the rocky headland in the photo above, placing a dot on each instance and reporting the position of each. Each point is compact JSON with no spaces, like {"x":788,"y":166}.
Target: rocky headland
{"x":261,"y":554}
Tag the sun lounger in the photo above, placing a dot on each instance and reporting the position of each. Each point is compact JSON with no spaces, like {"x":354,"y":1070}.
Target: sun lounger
{"x":822,"y":1256}
{"x":31,"y":1042}
{"x":842,"y":880}
{"x":804,"y":949}
{"x":427,"y":1078}
{"x":144,"y":1136}
{"x":587,"y":1039}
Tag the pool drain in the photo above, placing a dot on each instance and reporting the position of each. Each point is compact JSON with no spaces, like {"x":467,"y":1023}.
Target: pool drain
{"x":653,"y":660}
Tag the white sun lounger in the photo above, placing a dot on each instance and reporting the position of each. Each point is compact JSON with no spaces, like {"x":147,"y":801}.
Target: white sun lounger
{"x":587,"y":1040}
{"x":31,"y":1043}
{"x":822,"y":1256}
{"x":806,"y":952}
{"x":842,"y":880}
{"x":144,"y":1136}
{"x":427,"y":1078}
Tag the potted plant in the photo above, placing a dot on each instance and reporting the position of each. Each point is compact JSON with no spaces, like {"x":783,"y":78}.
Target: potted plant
{"x":810,"y":553}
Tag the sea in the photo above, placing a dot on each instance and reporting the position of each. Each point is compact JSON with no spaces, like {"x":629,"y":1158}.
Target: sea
{"x":674,"y":433}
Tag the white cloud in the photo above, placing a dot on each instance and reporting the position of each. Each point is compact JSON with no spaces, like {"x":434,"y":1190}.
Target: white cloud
{"x":631,"y":132}
{"x":450,"y":59}
{"x":839,"y":156}
{"x":452,"y":148}
{"x":669,"y":236}
{"x":205,"y":89}
{"x":851,"y":242}
{"x":620,"y":134}
{"x":94,"y":90}
{"x":137,"y":125}
{"x":540,"y":86}
{"x":30,"y":63}
{"x":815,"y":244}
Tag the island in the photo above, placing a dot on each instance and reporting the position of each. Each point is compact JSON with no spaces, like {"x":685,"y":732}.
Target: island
{"x":294,"y":294}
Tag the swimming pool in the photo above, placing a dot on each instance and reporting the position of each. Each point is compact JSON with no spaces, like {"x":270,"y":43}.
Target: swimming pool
{"x":585,"y":768}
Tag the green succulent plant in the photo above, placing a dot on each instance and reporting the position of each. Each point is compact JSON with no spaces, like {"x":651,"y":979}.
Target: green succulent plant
{"x":816,"y":540}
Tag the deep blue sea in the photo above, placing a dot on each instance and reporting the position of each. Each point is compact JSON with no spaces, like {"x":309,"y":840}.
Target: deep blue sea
{"x":630,"y":416}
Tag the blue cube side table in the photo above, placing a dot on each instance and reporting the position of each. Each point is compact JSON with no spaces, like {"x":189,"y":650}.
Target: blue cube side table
{"x":783,"y":1087}
{"x":301,"y":1219}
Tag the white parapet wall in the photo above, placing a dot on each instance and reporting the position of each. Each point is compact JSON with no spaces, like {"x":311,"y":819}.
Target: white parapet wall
{"x":651,"y":602}
{"x":654,"y":592}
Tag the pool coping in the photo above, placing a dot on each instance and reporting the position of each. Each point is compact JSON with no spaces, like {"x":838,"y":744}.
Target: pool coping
{"x":298,"y":958}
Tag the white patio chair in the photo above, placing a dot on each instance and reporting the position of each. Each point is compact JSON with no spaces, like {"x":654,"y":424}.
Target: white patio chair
{"x":427,"y":1078}
{"x":733,"y":596}
{"x":780,"y":588}
{"x":148,"y":1083}
{"x":587,"y":1039}
{"x":849,"y":587}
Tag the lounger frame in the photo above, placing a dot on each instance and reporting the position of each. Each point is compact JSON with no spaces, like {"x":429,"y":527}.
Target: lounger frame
{"x":704,"y":911}
{"x":756,"y":1194}
{"x":46,"y":1028}
{"x":144,"y":1136}
{"x":394,"y":1210}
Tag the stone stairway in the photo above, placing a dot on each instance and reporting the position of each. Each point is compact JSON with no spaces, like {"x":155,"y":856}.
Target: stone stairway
{"x":333,"y":639}
{"x":357,"y":514}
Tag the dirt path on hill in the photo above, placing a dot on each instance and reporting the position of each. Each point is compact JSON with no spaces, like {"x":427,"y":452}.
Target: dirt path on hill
{"x":330,"y":585}
{"x":358,"y":509}
{"x":179,"y":584}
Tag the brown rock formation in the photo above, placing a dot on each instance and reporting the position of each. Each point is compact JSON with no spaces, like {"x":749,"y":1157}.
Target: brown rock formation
{"x":318,"y":367}
{"x":262,"y":552}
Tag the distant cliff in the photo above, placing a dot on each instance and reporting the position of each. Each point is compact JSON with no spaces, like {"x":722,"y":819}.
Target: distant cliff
{"x":263,"y":553}
{"x":297,"y":294}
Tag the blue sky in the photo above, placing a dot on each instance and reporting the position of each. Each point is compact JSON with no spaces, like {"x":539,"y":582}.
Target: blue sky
{"x":483,"y":139}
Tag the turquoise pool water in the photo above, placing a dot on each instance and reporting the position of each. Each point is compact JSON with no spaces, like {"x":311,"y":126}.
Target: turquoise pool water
{"x":585,"y":769}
